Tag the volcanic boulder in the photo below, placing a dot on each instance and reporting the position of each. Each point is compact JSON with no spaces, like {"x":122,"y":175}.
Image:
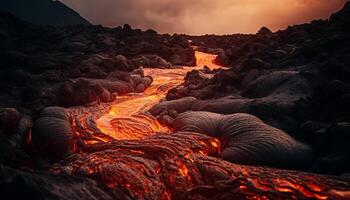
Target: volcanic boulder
{"x":117,"y":86}
{"x":52,"y":133}
{"x":246,"y":139}
{"x":9,"y":120}
{"x":14,"y":135}
{"x":264,"y":31}
{"x":144,"y":83}
{"x":180,"y":105}
{"x":84,"y":91}
{"x":222,"y":59}
{"x":150,"y":61}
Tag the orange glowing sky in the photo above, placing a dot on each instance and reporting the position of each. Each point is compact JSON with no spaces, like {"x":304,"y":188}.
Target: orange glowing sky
{"x":204,"y":16}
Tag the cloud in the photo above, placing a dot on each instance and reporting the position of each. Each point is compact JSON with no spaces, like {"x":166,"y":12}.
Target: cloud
{"x":204,"y":16}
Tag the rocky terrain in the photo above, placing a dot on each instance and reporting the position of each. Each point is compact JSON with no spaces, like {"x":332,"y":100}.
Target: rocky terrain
{"x":44,"y":66}
{"x":296,"y":80}
{"x":272,"y":124}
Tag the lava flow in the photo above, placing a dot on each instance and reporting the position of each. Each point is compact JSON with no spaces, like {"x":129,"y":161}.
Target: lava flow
{"x":127,"y":118}
{"x":125,"y":153}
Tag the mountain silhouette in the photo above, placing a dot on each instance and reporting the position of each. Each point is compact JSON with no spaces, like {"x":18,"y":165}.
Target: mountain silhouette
{"x":42,"y":12}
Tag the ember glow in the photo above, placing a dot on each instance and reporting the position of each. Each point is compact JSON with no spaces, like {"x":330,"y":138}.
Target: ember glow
{"x":127,"y":118}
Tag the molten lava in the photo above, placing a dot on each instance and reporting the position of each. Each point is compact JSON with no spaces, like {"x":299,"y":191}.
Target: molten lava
{"x":122,"y":150}
{"x":127,"y":118}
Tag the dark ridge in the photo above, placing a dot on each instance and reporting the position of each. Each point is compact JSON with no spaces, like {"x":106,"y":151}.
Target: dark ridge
{"x":43,"y":12}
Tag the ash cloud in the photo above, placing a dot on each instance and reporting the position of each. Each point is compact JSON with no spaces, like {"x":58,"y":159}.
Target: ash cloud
{"x":204,"y":16}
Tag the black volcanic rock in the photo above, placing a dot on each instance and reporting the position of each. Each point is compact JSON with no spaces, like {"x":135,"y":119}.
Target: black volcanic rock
{"x":36,"y":61}
{"x":53,"y":134}
{"x":9,"y":120}
{"x":264,"y":31}
{"x":246,"y":139}
{"x":43,"y":12}
{"x":80,"y":92}
{"x":14,"y":132}
{"x":288,"y":79}
{"x":17,"y":184}
{"x":342,"y":18}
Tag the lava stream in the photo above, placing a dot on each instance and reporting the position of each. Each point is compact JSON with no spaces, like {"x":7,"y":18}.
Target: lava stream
{"x":125,"y":153}
{"x":127,"y":118}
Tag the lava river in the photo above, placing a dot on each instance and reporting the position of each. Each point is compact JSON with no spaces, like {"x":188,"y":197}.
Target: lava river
{"x":127,"y":118}
{"x":122,"y":147}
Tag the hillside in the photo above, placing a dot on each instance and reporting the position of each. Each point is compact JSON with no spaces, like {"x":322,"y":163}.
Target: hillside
{"x":42,"y":12}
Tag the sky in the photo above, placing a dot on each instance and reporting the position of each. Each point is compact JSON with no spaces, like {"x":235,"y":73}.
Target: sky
{"x":199,"y":17}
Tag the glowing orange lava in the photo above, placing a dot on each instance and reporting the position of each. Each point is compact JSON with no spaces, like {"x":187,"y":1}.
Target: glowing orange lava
{"x":171,"y":165}
{"x":128,"y":119}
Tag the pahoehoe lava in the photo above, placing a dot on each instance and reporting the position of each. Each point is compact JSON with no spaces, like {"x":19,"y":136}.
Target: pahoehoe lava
{"x":142,"y":159}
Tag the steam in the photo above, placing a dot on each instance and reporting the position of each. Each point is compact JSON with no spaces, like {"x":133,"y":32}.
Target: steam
{"x":204,"y":16}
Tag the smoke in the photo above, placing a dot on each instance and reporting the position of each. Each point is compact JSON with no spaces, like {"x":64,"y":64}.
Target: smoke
{"x":204,"y":16}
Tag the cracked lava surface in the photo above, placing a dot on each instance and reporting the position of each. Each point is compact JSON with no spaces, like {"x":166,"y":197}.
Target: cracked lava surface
{"x":120,"y":147}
